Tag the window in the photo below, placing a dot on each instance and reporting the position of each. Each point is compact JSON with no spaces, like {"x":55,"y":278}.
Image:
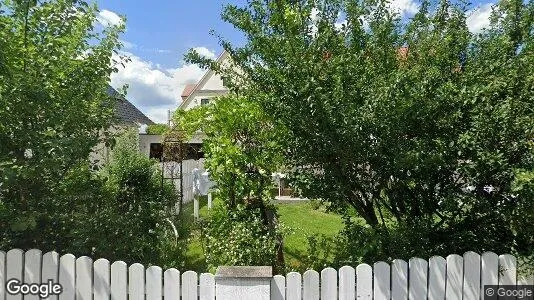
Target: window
{"x":156,"y":151}
{"x":204,"y":101}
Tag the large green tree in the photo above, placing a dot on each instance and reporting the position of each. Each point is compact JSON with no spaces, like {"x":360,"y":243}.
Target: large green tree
{"x":54,"y":107}
{"x":417,"y":125}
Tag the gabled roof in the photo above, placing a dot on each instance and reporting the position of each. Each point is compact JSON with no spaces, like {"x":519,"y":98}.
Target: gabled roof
{"x":201,"y":82}
{"x":188,"y":89}
{"x":126,"y":112}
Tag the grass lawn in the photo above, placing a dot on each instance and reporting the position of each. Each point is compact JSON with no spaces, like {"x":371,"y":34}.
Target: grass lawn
{"x":301,"y":217}
{"x":304,"y":220}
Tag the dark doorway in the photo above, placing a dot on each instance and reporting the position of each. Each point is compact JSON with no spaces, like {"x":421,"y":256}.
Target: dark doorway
{"x":156,"y":151}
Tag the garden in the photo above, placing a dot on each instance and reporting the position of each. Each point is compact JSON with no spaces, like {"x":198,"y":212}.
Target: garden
{"x":414,"y":138}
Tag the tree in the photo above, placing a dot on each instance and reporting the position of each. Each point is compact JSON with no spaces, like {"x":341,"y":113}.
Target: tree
{"x":242,"y":150}
{"x":158,"y":129}
{"x":416,"y":124}
{"x":54,"y":74}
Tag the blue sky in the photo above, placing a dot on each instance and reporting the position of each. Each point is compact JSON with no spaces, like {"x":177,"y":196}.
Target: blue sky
{"x":159,"y":33}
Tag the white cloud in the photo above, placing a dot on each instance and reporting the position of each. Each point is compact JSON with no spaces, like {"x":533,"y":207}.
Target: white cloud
{"x":203,"y":51}
{"x":478,"y":18}
{"x":152,"y":89}
{"x":128,"y":45}
{"x":404,"y":8}
{"x":108,"y":18}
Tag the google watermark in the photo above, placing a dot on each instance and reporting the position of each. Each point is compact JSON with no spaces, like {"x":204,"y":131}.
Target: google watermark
{"x":43,"y":290}
{"x":518,"y":292}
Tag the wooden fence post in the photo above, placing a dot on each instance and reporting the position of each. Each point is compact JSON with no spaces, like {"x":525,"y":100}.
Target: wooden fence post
{"x":242,"y":283}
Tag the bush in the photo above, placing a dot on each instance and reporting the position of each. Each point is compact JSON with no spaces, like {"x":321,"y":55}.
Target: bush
{"x":238,"y":237}
{"x":121,"y":213}
{"x":141,"y":212}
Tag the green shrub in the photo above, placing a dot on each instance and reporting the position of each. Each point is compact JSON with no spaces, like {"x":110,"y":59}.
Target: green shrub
{"x":121,"y":213}
{"x":238,"y":237}
{"x":159,"y":129}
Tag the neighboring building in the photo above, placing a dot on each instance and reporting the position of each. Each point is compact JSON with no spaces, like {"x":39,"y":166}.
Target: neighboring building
{"x":127,"y":116}
{"x":126,"y":113}
{"x":211,"y":85}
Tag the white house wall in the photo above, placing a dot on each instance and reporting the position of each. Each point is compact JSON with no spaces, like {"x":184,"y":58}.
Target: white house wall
{"x":214,"y":83}
{"x":145,"y":140}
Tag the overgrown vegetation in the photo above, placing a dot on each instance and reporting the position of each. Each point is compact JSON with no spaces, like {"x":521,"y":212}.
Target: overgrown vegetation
{"x":158,"y":129}
{"x":54,"y":110}
{"x":424,"y":129}
{"x":242,"y":151}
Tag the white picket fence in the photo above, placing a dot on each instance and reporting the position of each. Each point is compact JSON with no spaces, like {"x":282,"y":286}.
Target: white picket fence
{"x":454,"y":277}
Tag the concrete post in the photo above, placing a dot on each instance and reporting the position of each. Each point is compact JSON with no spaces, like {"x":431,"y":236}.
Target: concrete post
{"x":243,"y":283}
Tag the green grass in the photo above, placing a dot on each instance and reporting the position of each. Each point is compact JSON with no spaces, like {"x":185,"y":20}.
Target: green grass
{"x":304,"y":220}
{"x":300,"y":217}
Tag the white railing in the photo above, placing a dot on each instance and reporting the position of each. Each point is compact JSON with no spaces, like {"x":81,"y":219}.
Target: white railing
{"x":453,"y":277}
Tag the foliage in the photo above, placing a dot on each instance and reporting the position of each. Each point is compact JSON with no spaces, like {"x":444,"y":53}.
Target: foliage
{"x":122,"y":213}
{"x":241,"y":146}
{"x":417,"y":124}
{"x":238,"y":237}
{"x":319,"y":252}
{"x":54,"y":73}
{"x":158,"y":129}
{"x":241,"y":152}
{"x":141,"y":212}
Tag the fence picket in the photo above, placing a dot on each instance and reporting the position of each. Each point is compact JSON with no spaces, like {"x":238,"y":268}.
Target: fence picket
{"x":101,"y":279}
{"x":189,"y":285}
{"x":207,"y":286}
{"x":364,"y":282}
{"x":171,"y":284}
{"x":278,"y":288}
{"x":382,"y":281}
{"x":153,"y":283}
{"x":456,"y":277}
{"x":84,"y":278}
{"x":418,"y":274}
{"x":507,"y":270}
{"x":310,"y":281}
{"x":136,"y":282}
{"x":471,"y":286}
{"x":67,"y":276}
{"x":399,"y":280}
{"x":293,"y":289}
{"x":489,"y":264}
{"x":2,"y":275}
{"x":328,"y":283}
{"x":436,"y":278}
{"x":347,"y":283}
{"x":50,"y":270}
{"x":455,"y":274}
{"x":119,"y":281}
{"x":14,"y":263}
{"x":32,"y":270}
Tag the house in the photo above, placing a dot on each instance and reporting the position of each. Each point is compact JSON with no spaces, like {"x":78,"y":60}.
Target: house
{"x":210,"y":86}
{"x":206,"y":90}
{"x":126,"y":116}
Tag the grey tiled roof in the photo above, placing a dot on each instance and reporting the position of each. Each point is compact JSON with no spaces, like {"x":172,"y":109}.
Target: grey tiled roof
{"x":126,"y":112}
